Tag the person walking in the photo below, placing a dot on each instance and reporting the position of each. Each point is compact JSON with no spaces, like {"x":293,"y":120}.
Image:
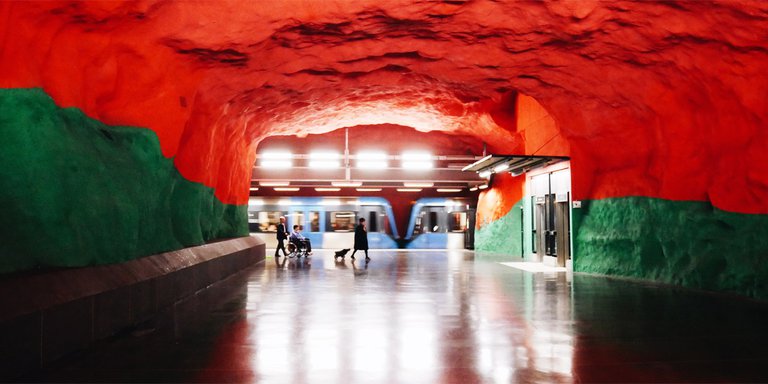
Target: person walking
{"x":281,"y":236}
{"x":361,"y":239}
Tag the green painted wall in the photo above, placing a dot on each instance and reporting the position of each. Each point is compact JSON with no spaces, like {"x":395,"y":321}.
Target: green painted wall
{"x":679,"y":242}
{"x":503,"y":235}
{"x":76,"y":192}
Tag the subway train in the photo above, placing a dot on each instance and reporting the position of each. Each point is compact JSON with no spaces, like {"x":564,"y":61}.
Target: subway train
{"x":329,"y":222}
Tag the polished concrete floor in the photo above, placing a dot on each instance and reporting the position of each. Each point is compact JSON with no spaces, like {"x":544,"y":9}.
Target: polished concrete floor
{"x":437,"y":317}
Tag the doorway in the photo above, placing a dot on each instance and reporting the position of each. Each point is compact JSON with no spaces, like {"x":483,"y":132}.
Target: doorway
{"x":550,"y":224}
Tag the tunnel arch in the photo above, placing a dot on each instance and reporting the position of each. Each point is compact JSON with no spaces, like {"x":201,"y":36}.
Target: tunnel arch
{"x":658,"y":101}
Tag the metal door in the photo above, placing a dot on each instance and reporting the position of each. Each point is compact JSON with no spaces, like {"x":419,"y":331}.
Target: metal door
{"x":562,"y":219}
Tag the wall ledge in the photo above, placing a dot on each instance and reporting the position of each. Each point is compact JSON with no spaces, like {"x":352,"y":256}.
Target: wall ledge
{"x":50,"y":314}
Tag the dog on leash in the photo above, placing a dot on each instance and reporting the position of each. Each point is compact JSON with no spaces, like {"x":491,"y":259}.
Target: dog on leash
{"x":341,"y":253}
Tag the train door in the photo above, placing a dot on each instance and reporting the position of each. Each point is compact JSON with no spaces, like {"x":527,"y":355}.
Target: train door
{"x":314,"y":225}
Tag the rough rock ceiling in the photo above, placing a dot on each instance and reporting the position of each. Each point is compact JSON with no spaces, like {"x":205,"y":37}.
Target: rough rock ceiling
{"x":661,"y":99}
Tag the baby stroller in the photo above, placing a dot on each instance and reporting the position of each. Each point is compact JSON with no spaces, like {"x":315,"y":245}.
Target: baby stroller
{"x":297,"y":248}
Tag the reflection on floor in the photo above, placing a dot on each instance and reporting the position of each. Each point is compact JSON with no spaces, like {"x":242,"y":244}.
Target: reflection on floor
{"x":440,"y":317}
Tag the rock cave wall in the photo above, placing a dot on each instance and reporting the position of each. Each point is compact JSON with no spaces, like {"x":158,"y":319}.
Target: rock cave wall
{"x":661,"y":101}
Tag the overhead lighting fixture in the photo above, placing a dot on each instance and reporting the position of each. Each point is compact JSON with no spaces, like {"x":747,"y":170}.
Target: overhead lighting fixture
{"x":485,"y":174}
{"x":346,"y":183}
{"x":254,"y":188}
{"x":500,"y":167}
{"x":483,"y":186}
{"x":274,"y":183}
{"x":327,"y":189}
{"x":372,"y":160}
{"x":417,"y":161}
{"x":418,"y":185}
{"x":473,"y":189}
{"x":368,"y":189}
{"x":276,"y":159}
{"x":284,"y":189}
{"x":409,"y":189}
{"x":324,"y":160}
{"x":449,"y":190}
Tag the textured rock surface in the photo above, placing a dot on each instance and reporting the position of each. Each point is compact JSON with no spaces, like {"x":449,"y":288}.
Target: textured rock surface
{"x":502,"y":236}
{"x":686,"y":243}
{"x":659,"y":99}
{"x":77,"y":192}
{"x":655,"y":99}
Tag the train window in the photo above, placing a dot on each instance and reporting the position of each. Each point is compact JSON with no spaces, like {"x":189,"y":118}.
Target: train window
{"x":268,"y":221}
{"x":314,"y":221}
{"x":434,"y":227}
{"x":373,"y":221}
{"x":458,"y":221}
{"x":385,"y":224}
{"x":341,"y":221}
{"x":297,"y":218}
{"x":253,"y":221}
{"x":417,"y":227}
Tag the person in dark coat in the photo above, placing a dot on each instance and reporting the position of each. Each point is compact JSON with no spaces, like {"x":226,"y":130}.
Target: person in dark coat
{"x":361,"y":239}
{"x":281,"y":236}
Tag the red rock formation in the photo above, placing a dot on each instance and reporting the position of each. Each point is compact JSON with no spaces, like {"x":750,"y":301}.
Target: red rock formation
{"x":662,"y":99}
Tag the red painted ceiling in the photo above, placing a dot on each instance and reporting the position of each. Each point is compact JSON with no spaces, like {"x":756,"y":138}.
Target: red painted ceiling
{"x":663,"y":99}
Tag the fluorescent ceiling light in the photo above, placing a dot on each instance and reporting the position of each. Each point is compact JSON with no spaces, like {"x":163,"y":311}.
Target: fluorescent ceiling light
{"x":274,"y":183}
{"x":372,"y":160}
{"x":484,"y":186}
{"x":327,"y":189}
{"x":346,"y":183}
{"x":417,"y":161}
{"x":418,"y":185}
{"x":447,"y":190}
{"x":368,"y":189}
{"x":500,"y":167}
{"x":324,"y":160}
{"x":276,"y":159}
{"x":473,"y":189}
{"x":485,"y":174}
{"x":291,"y":189}
{"x":409,"y":189}
{"x":254,"y":188}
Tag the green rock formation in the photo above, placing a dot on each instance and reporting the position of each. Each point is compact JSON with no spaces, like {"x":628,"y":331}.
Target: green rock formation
{"x":685,"y":243}
{"x":76,"y":192}
{"x":502,"y":236}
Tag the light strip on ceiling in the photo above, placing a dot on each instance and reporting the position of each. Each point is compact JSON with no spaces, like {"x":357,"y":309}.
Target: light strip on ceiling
{"x":324,"y":160}
{"x":413,"y":161}
{"x":276,"y":159}
{"x":418,"y":185}
{"x":449,"y":190}
{"x":283,"y":189}
{"x":409,"y":189}
{"x":346,"y":183}
{"x":327,"y":189}
{"x":372,"y":160}
{"x":274,"y":183}
{"x":368,"y":189}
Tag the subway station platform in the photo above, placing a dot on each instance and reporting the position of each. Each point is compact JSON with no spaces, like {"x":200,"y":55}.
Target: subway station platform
{"x":437,"y":317}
